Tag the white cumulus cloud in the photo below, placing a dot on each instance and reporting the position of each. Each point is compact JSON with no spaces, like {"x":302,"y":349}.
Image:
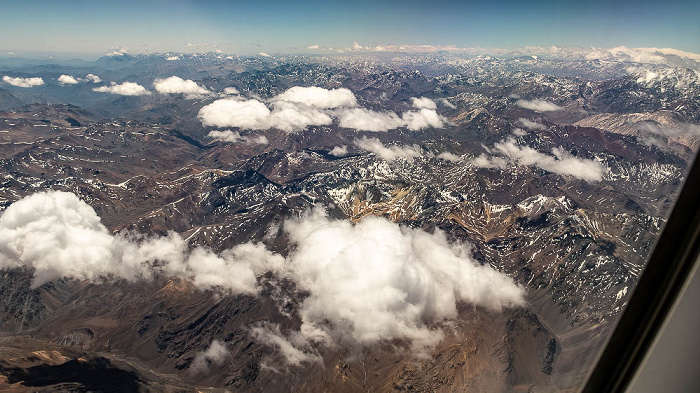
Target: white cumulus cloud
{"x":364,"y":119}
{"x":422,"y":119}
{"x":93,"y":78}
{"x":301,"y":107}
{"x":318,"y":97}
{"x":291,"y":117}
{"x":67,"y":80}
{"x":368,"y":120}
{"x":246,"y":114}
{"x":177,"y":85}
{"x":23,"y":82}
{"x":291,"y":111}
{"x":59,"y":235}
{"x":367,"y":282}
{"x":124,"y":89}
{"x":376,"y":280}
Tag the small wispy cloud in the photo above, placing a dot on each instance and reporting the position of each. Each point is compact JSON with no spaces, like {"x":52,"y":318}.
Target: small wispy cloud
{"x":295,"y":350}
{"x":390,"y":153}
{"x":531,"y":125}
{"x":451,"y":157}
{"x":339,"y":151}
{"x":117,"y":51}
{"x":447,"y":103}
{"x":560,"y":162}
{"x":214,"y":355}
{"x":236,"y":137}
{"x":538,"y":105}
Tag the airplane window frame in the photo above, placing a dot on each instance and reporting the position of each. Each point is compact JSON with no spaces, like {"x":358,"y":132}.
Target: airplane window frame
{"x":668,"y":269}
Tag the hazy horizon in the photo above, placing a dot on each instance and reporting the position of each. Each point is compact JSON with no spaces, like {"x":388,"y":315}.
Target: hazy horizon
{"x":279,"y":27}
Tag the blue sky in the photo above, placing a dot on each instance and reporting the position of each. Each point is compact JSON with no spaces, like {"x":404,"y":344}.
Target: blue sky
{"x":287,"y":26}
